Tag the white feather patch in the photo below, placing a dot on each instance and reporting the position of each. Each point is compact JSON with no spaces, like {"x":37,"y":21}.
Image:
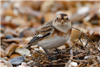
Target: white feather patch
{"x":40,"y":35}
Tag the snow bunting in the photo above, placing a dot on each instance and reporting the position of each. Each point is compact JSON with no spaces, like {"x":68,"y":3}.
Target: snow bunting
{"x":53,"y":34}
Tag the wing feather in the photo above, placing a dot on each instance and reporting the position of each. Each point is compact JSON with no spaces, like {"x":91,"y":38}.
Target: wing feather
{"x":45,"y":31}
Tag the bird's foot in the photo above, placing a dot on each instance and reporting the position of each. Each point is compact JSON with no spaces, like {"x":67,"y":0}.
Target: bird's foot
{"x":58,"y":52}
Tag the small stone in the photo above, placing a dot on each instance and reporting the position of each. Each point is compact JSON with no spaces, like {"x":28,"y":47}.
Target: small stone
{"x":2,"y":65}
{"x":13,"y":40}
{"x":18,"y":21}
{"x":86,"y":57}
{"x":48,"y":6}
{"x":14,"y":56}
{"x":25,"y":33}
{"x":17,"y":60}
{"x":8,"y":36}
{"x":96,"y":30}
{"x":2,"y":53}
{"x":11,"y":32}
{"x":10,"y":49}
{"x":2,"y":36}
{"x":23,"y":64}
{"x":72,"y":64}
{"x":27,"y":39}
{"x":83,"y":10}
{"x":5,"y":63}
{"x":8,"y":64}
{"x":22,"y":51}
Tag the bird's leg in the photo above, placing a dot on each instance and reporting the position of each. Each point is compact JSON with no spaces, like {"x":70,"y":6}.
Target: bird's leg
{"x":49,"y":57}
{"x":58,"y":52}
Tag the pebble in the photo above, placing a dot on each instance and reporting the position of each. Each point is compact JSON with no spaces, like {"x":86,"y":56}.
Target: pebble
{"x":2,"y":53}
{"x":2,"y":35}
{"x":14,"y":56}
{"x":10,"y":49}
{"x":17,"y":60}
{"x":22,"y":51}
{"x":8,"y":36}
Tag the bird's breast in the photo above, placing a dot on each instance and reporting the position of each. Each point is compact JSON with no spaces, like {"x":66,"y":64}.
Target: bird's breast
{"x":53,"y":42}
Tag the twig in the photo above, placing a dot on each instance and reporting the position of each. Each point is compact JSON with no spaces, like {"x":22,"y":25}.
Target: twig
{"x":84,"y":35}
{"x":75,"y":42}
{"x":88,"y":40}
{"x":72,"y":47}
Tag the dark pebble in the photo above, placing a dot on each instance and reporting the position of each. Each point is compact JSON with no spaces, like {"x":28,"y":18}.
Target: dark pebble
{"x":8,"y":36}
{"x":17,"y":60}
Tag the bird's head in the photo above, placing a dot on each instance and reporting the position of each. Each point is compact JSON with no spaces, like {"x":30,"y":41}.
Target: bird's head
{"x":62,"y":22}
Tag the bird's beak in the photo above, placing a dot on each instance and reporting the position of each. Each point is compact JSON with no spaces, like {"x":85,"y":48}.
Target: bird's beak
{"x":62,"y":21}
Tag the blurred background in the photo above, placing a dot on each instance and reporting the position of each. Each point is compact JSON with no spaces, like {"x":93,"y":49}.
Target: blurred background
{"x":21,"y":19}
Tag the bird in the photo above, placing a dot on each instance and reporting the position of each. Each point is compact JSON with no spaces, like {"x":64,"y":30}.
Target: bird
{"x":53,"y":34}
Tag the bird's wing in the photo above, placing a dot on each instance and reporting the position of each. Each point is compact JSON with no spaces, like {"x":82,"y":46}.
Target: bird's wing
{"x":45,"y":31}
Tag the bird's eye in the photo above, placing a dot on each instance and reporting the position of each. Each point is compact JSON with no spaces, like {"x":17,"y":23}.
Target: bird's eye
{"x":66,"y":18}
{"x":57,"y":18}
